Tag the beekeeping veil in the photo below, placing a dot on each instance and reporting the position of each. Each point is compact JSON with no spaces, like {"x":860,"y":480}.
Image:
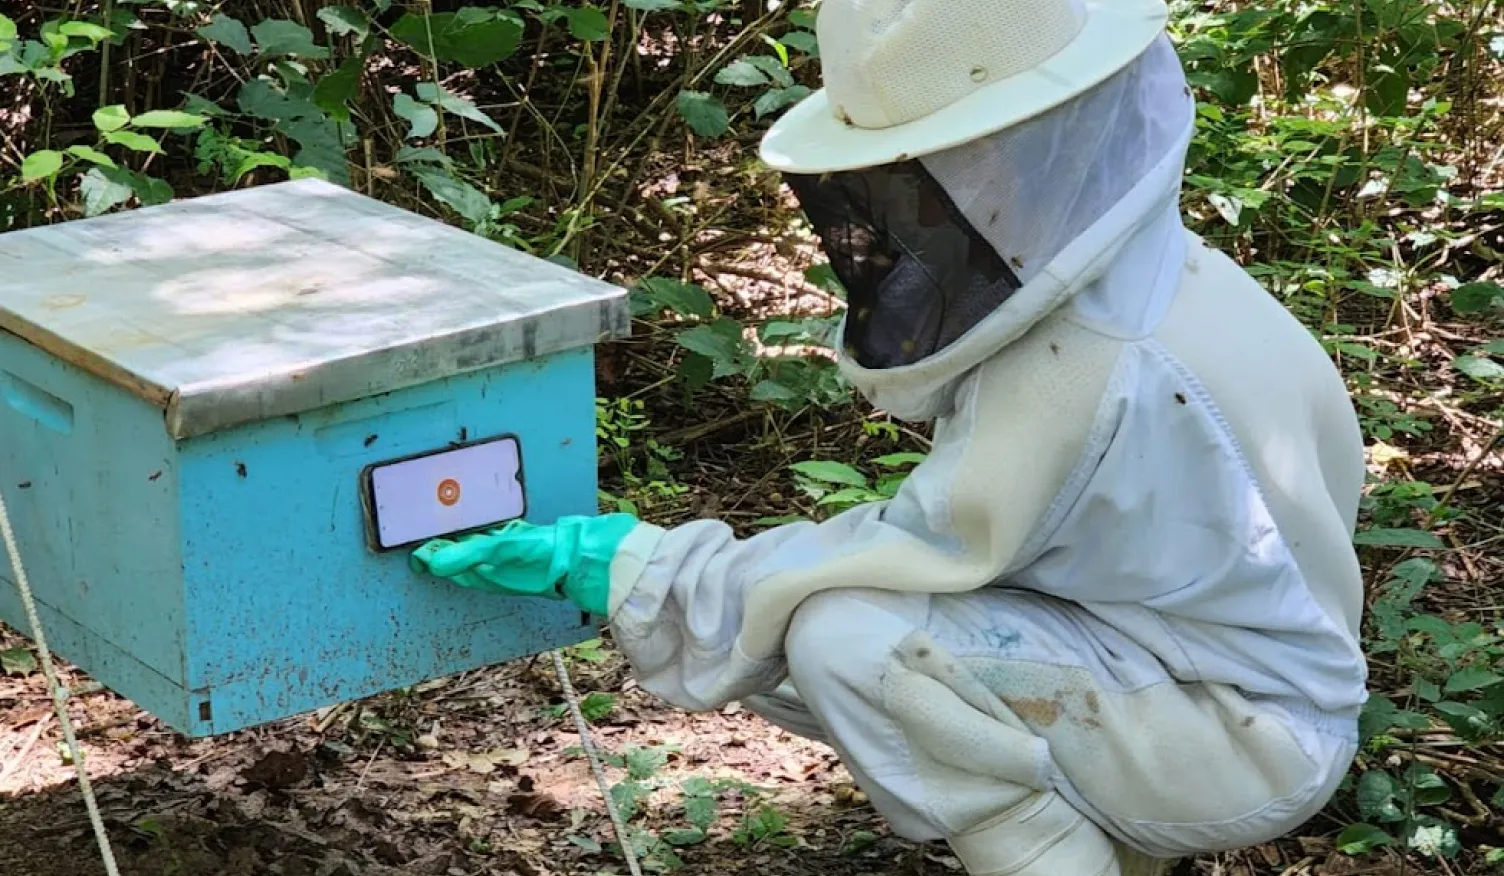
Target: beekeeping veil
{"x":955,"y":152}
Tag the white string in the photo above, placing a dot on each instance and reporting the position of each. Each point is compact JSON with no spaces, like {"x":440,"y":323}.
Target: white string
{"x":59,"y":694}
{"x":595,"y":764}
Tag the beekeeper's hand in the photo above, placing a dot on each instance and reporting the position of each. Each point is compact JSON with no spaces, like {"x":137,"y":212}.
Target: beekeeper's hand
{"x":569,"y":559}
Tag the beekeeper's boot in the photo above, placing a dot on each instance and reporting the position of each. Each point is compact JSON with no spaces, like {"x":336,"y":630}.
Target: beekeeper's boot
{"x":1041,"y":836}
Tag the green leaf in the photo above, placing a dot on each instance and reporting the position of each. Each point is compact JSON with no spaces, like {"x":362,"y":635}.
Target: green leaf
{"x":684,"y":299}
{"x":1472,"y":678}
{"x":423,"y":154}
{"x":151,"y":191}
{"x":1468,"y":721}
{"x":255,"y":160}
{"x":643,"y":763}
{"x":456,"y":194}
{"x":17,"y":661}
{"x":772,"y":391}
{"x":111,"y":118}
{"x":1426,"y":787}
{"x":228,"y":32}
{"x":8,"y":32}
{"x":700,"y":810}
{"x":720,"y":347}
{"x":1380,"y":537}
{"x":1480,"y":369}
{"x":704,"y":113}
{"x":801,"y":41}
{"x":652,"y":5}
{"x":773,"y":68}
{"x":451,"y":102}
{"x":281,"y":38}
{"x":1376,"y":797}
{"x":103,"y":191}
{"x":471,"y":37}
{"x":831,"y":472}
{"x":1477,"y":297}
{"x":422,"y":119}
{"x":899,"y":460}
{"x":684,"y":836}
{"x":776,"y":100}
{"x":134,"y":141}
{"x":91,"y":155}
{"x":1427,"y":690}
{"x":41,"y":164}
{"x":345,"y":20}
{"x":86,"y":30}
{"x":169,"y":119}
{"x":336,"y":89}
{"x":743,"y":73}
{"x":1358,"y":839}
{"x":589,"y":24}
{"x":596,"y":705}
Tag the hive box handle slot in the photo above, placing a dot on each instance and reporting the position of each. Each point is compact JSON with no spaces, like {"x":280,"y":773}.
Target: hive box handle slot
{"x":35,"y":403}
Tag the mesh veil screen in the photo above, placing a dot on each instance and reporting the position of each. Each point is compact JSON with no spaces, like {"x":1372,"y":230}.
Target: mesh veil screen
{"x":917,"y":275}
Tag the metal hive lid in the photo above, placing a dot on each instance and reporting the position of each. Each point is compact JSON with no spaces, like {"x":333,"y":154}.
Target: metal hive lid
{"x":278,"y":299}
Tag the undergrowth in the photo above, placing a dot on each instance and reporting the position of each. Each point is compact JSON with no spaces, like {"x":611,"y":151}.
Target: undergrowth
{"x":1347,"y":153}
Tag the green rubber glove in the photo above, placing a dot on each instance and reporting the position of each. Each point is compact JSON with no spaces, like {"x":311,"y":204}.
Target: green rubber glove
{"x":569,"y":559}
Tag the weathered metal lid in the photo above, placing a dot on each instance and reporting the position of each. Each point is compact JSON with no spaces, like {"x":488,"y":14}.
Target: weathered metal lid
{"x":278,"y":299}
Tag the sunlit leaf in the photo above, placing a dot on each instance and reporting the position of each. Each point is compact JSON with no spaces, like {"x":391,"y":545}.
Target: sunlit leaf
{"x":91,"y":155}
{"x":41,"y":164}
{"x":103,"y":191}
{"x":86,"y":30}
{"x":170,"y":119}
{"x":111,"y":118}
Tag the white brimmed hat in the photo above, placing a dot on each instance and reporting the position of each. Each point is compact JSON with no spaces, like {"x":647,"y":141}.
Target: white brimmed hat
{"x":906,"y":78}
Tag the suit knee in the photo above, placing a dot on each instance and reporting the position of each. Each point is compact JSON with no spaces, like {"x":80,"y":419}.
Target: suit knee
{"x":848,"y":635}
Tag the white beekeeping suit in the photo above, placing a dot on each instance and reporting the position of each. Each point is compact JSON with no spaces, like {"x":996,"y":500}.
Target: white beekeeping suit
{"x":1115,"y":614}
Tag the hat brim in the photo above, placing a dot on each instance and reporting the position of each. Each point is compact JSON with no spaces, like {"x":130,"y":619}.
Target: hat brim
{"x":810,"y":139}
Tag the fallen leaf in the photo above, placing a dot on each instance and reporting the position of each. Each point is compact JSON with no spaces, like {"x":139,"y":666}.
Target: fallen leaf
{"x":18,"y":661}
{"x":277,"y":770}
{"x":535,"y":805}
{"x":486,"y":762}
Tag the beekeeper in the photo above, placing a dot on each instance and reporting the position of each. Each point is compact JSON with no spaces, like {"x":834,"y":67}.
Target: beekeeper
{"x":1113,"y":619}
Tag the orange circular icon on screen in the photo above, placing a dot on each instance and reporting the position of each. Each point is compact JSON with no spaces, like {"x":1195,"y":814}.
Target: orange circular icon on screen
{"x":449,"y":491}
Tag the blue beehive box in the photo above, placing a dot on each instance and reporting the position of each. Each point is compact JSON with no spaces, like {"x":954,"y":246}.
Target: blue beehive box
{"x":225,"y":422}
